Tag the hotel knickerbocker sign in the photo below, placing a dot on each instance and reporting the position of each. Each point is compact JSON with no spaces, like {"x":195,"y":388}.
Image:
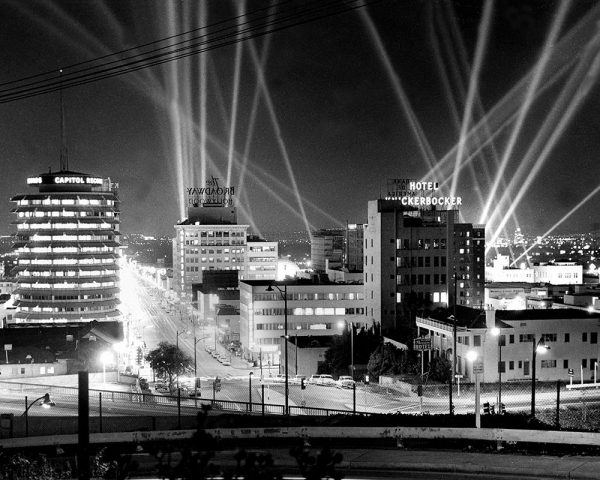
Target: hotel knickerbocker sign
{"x":413,"y":193}
{"x":213,"y":194}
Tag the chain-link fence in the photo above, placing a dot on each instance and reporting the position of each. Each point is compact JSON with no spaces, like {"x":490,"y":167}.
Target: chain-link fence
{"x":554,"y":403}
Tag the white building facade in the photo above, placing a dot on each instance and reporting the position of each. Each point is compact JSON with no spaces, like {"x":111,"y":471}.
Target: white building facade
{"x":557,"y":273}
{"x":312,"y":310}
{"x":570,"y":334}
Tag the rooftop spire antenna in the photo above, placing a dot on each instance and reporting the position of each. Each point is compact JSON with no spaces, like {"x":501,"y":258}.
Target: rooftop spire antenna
{"x":64,"y":154}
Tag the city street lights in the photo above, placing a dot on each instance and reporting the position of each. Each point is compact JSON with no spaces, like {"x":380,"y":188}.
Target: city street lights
{"x":105,"y":357}
{"x":283,"y":293}
{"x":453,"y":379}
{"x":537,"y":347}
{"x":177,"y":334}
{"x":471,"y":356}
{"x":250,"y":391}
{"x":46,"y":403}
{"x":496,"y":333}
{"x":196,"y":340}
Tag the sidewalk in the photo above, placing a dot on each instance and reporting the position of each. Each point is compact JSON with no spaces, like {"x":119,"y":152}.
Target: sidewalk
{"x":449,"y":461}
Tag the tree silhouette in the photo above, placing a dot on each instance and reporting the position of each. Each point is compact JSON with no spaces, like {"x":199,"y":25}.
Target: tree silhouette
{"x":338,"y":357}
{"x":169,"y":361}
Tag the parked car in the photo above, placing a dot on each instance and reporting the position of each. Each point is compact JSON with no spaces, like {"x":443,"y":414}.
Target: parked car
{"x":297,"y":379}
{"x":327,"y":380}
{"x":323,"y":379}
{"x":226,"y":363}
{"x":278,"y":378}
{"x":161,"y":388}
{"x":345,"y":381}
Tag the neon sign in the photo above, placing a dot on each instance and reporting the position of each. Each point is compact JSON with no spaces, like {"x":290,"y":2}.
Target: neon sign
{"x":413,"y":193}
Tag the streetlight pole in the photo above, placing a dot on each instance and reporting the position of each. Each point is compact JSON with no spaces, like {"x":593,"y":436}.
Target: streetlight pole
{"x":453,"y":368}
{"x":250,"y":391}
{"x":471,"y":356}
{"x":46,"y":404}
{"x":283,"y":293}
{"x":352,"y":348}
{"x":535,"y":347}
{"x":177,"y":333}
{"x":497,"y":333}
{"x":285,"y":333}
{"x":296,"y":355}
{"x":350,"y":325}
{"x":454,"y":330}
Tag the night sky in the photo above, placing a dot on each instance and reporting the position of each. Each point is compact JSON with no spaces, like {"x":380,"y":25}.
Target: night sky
{"x":339,"y":118}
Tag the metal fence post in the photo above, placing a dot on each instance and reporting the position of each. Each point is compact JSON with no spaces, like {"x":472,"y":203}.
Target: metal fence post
{"x":26,"y":419}
{"x":83,"y":445}
{"x":179,"y":408}
{"x":100,"y":410}
{"x":354,"y":399}
{"x":262,"y":398}
{"x":558,"y":404}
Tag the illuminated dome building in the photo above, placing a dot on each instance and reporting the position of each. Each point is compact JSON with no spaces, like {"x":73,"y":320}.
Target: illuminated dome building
{"x":66,"y":249}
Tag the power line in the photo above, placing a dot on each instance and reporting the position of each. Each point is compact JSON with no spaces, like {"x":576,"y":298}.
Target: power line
{"x":137,"y":47}
{"x":226,"y":36}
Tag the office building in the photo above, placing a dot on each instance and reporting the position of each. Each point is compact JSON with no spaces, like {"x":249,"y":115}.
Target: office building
{"x":313,"y":310}
{"x":212,"y":252}
{"x":208,"y":240}
{"x":327,"y":249}
{"x":418,"y":257}
{"x":260,"y":260}
{"x":66,"y":249}
{"x":353,"y":248}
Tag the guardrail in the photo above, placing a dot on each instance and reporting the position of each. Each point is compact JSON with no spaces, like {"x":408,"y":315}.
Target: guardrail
{"x":381,"y":433}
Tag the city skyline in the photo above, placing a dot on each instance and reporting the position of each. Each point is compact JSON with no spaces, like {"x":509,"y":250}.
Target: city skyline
{"x":333,"y":110}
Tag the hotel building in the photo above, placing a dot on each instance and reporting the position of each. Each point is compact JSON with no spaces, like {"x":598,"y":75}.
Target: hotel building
{"x":66,"y":249}
{"x":418,"y":257}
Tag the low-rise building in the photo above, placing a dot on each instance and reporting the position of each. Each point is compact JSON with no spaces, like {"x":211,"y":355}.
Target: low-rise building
{"x":516,"y":296}
{"x":556,"y":273}
{"x":504,"y":341}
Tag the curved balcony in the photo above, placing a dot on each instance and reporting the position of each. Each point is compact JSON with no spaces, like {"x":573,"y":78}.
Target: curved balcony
{"x":44,"y":257}
{"x":66,"y":291}
{"x":83,"y":303}
{"x":66,"y":264}
{"x":65,"y":196}
{"x":64,"y":317}
{"x":68,"y":280}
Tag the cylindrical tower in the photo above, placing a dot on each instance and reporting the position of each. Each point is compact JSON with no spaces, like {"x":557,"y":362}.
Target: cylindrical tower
{"x":66,"y":249}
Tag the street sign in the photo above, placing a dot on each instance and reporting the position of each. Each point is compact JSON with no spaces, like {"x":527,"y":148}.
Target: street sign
{"x":8,"y":346}
{"x":478,"y":367}
{"x":571,"y":372}
{"x":422,"y":343}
